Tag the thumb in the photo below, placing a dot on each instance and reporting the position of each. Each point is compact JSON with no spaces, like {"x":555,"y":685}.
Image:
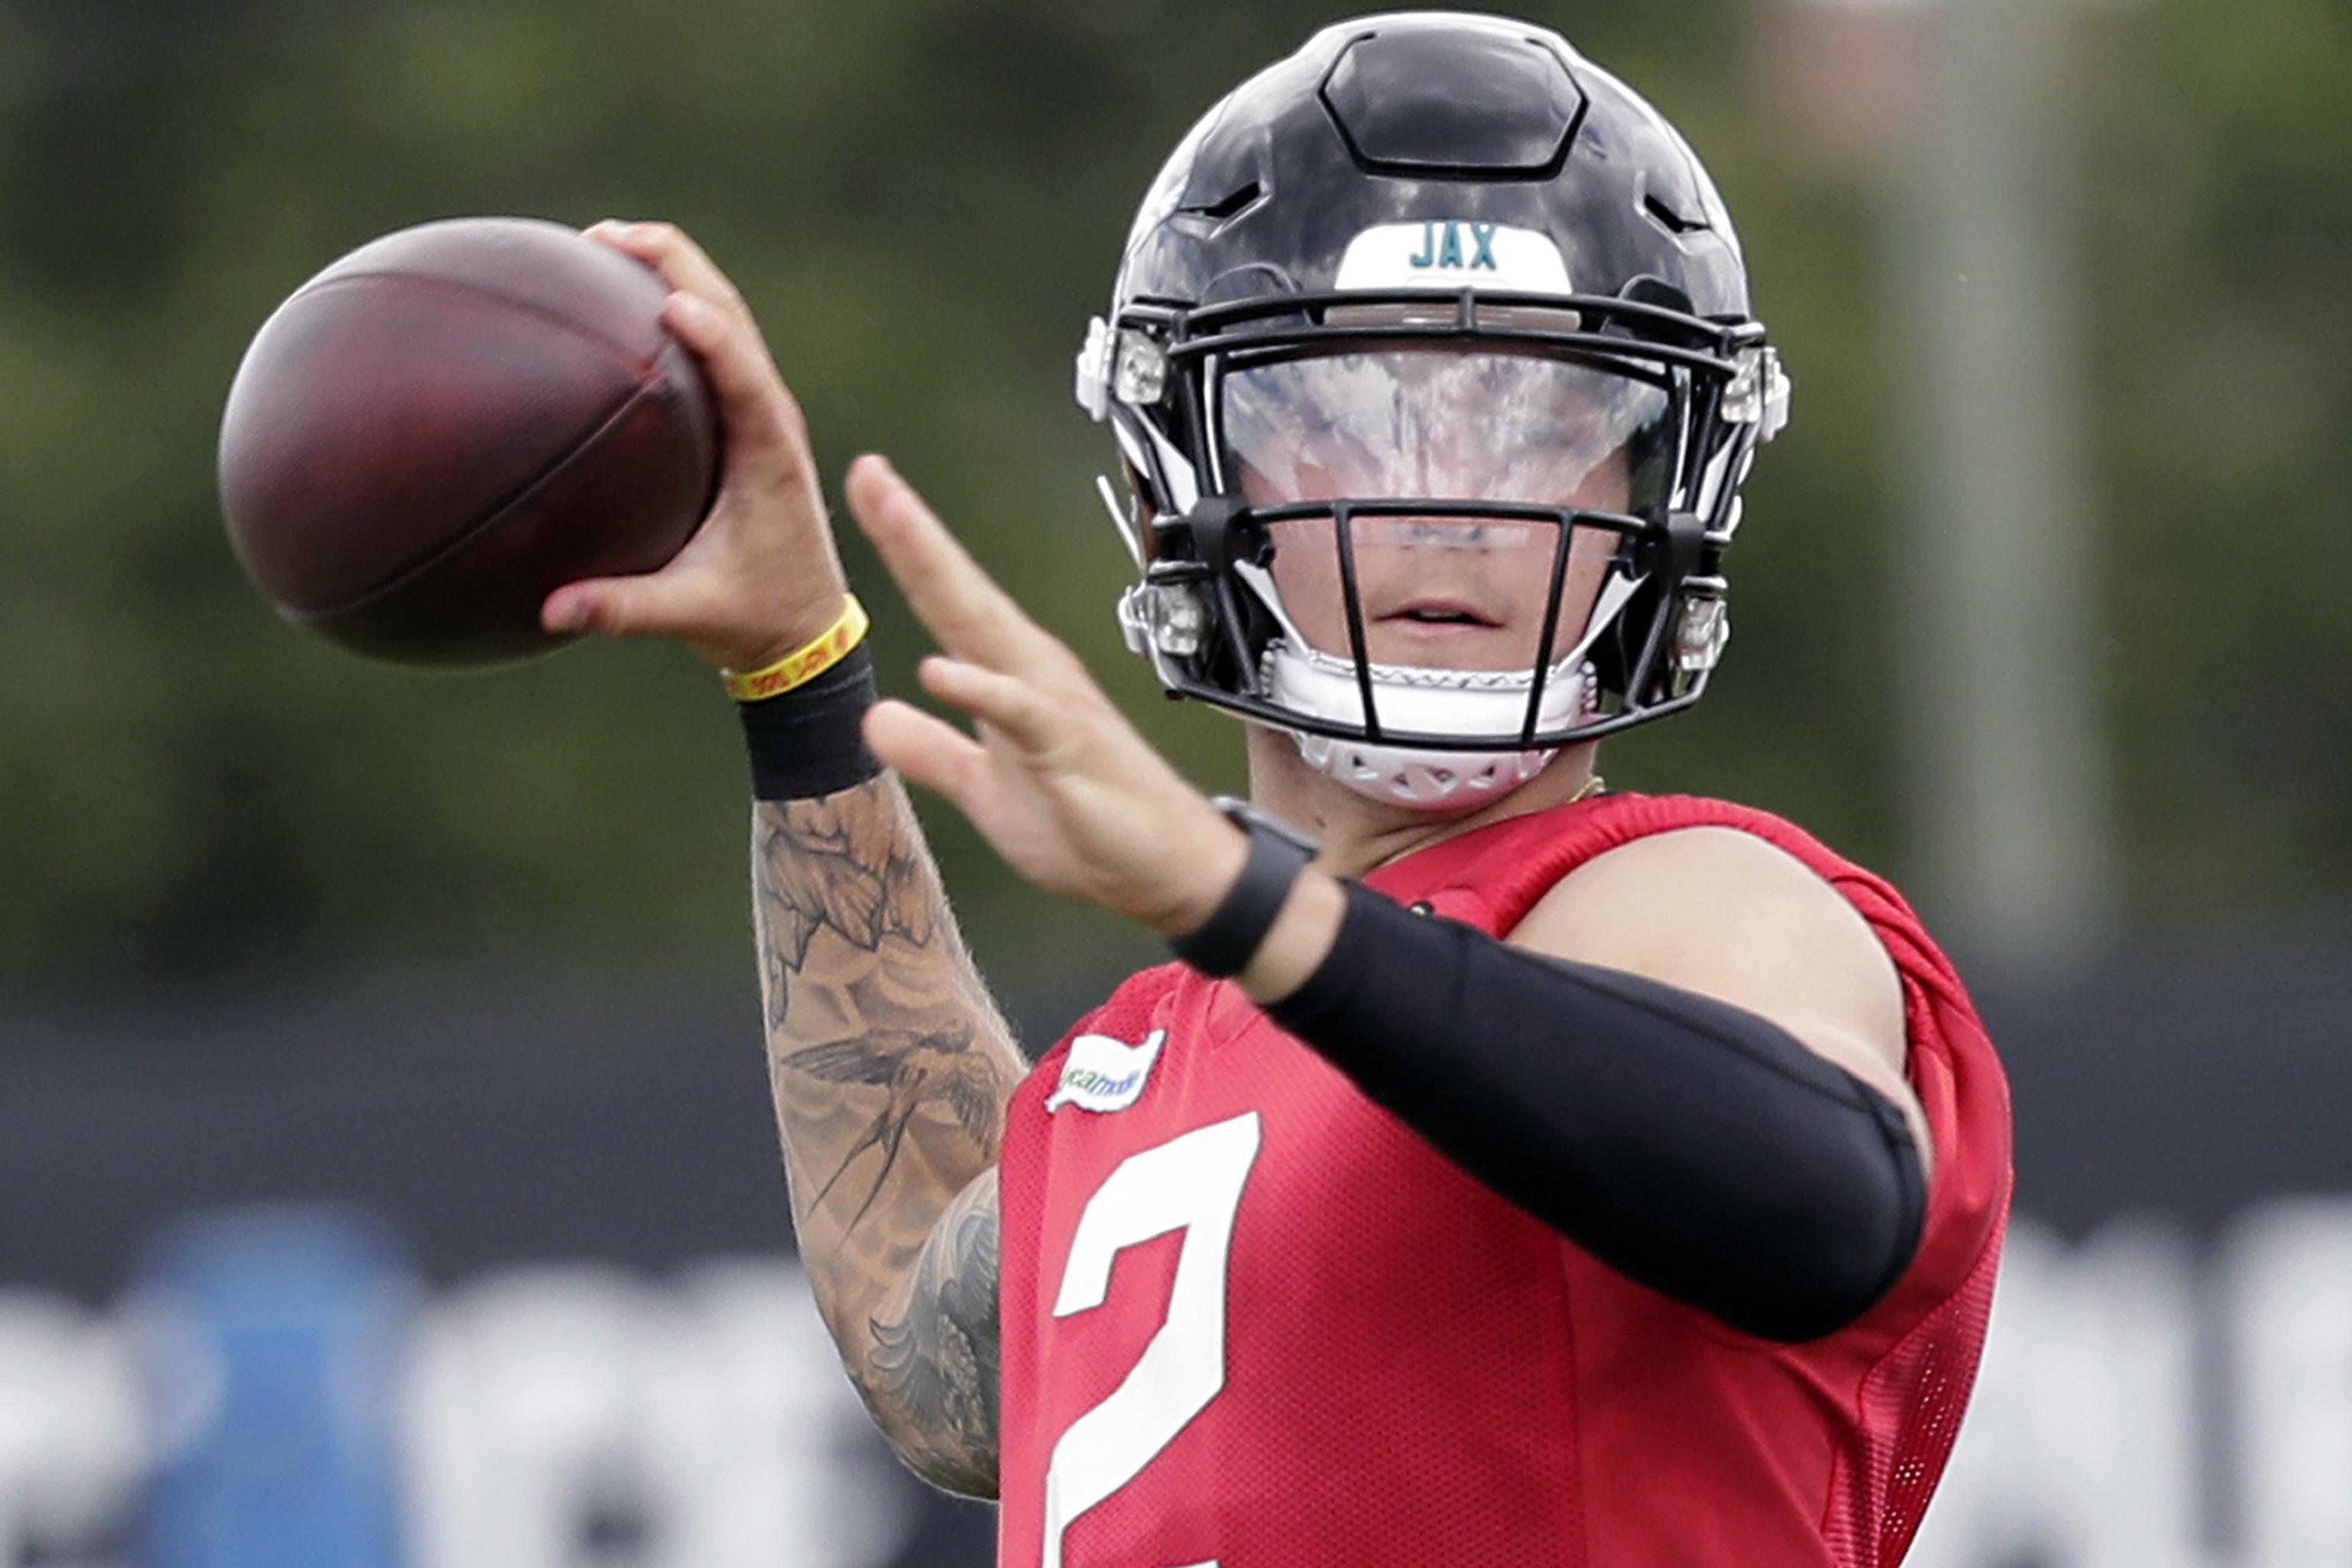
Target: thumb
{"x":658,"y":604}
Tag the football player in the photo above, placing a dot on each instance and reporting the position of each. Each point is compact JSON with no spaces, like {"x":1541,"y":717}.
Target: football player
{"x":1505,"y":1170}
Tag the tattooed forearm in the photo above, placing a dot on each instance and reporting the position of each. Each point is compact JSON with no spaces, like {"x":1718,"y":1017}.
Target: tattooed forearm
{"x":853,"y":864}
{"x":933,"y":1380}
{"x":891,"y":1068}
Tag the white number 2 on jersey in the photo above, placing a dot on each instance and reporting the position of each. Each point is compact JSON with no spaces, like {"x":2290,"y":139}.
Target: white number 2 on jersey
{"x":1192,"y":1183}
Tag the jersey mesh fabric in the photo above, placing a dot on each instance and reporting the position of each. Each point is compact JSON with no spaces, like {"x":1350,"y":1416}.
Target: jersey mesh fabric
{"x":1412,"y":1370}
{"x":1918,"y":1393}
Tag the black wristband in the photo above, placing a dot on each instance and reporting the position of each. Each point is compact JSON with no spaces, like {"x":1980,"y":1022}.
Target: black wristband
{"x":1233,"y":931}
{"x":807,"y":741}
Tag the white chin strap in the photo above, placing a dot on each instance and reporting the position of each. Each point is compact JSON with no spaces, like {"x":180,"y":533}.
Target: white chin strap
{"x":1466,"y":702}
{"x":1432,"y":701}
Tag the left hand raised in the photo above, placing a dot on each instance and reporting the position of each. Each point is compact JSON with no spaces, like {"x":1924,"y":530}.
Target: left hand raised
{"x":1056,"y":780}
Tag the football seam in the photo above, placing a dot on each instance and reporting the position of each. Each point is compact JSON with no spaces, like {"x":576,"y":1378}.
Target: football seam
{"x":649,"y":386}
{"x":637,"y":363}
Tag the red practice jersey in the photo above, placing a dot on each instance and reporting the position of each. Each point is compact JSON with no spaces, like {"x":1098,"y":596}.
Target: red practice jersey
{"x":1250,"y":1320}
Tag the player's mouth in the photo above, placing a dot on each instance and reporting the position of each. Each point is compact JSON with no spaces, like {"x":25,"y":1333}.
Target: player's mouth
{"x":1439,"y":619}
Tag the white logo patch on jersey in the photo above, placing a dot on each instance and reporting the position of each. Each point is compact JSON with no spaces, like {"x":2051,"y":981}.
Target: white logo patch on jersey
{"x":1105,"y":1074}
{"x":1454,"y":253}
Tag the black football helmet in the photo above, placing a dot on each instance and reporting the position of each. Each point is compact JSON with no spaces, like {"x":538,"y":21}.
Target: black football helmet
{"x":1433,"y":281}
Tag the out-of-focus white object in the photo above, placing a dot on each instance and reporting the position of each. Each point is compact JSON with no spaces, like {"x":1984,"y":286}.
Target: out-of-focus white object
{"x":2292,"y":1320}
{"x":2124,"y":1375}
{"x":71,"y":1445}
{"x":559,"y":1416}
{"x":770,"y":1455}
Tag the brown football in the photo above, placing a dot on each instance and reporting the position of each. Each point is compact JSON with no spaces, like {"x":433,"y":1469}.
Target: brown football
{"x":450,"y":423}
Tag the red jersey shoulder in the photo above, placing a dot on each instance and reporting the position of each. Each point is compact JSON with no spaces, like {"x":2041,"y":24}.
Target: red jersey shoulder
{"x":1128,"y":1014}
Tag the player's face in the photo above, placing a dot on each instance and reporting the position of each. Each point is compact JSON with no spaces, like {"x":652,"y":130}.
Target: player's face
{"x":1437,"y":590}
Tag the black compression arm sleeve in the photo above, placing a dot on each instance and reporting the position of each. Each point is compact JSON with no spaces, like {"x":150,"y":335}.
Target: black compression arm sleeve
{"x":1692,"y":1145}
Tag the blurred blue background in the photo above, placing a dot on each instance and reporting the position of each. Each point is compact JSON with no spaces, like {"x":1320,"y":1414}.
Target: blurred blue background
{"x":387,"y":1175}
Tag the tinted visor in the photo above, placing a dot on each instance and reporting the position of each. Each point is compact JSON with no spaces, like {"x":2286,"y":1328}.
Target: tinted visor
{"x":1430,"y":586}
{"x":1442,"y":423}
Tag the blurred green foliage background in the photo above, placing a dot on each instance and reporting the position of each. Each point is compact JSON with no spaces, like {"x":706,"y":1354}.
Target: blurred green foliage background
{"x":924,"y":201}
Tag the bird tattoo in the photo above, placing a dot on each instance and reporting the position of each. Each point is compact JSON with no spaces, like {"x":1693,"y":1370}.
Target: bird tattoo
{"x":919,"y":1070}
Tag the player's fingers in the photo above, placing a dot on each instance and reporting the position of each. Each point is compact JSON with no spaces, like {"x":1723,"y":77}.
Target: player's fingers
{"x":972,"y":617}
{"x":926,"y":750}
{"x":1039,"y":728}
{"x":658,"y":604}
{"x":672,"y":252}
{"x":766,"y":432}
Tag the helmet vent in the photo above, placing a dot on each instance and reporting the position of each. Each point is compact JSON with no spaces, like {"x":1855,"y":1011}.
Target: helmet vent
{"x":1668,"y":219}
{"x":1227,"y":206}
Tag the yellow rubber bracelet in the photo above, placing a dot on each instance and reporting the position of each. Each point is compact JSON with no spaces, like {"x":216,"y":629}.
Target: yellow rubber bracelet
{"x":805,"y":663}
